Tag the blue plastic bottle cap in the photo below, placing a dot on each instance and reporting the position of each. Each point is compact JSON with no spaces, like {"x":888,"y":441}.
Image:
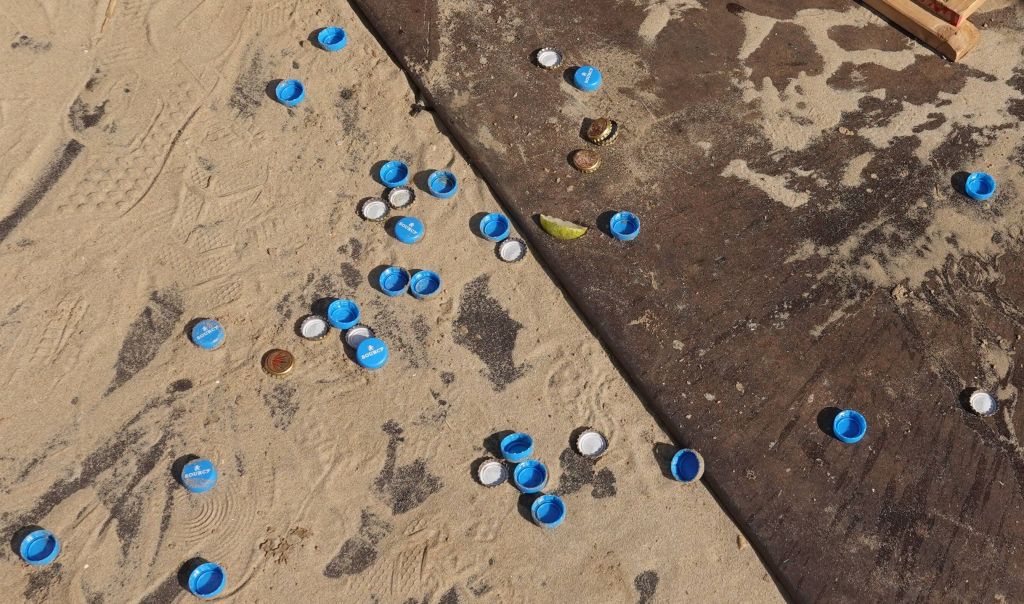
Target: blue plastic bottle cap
{"x":372,"y":353}
{"x":587,"y":78}
{"x":208,"y":334}
{"x":531,"y":476}
{"x":207,"y":580}
{"x":494,"y":227}
{"x":625,"y":226}
{"x":548,"y":511}
{"x":687,"y":465}
{"x":394,"y":174}
{"x":356,"y":334}
{"x":425,"y":284}
{"x":394,"y":281}
{"x":849,"y":426}
{"x":409,"y":229}
{"x":39,"y":547}
{"x":199,"y":476}
{"x":442,"y":184}
{"x":332,"y":38}
{"x":343,"y":314}
{"x":980,"y":186}
{"x":517,"y":446}
{"x":290,"y":92}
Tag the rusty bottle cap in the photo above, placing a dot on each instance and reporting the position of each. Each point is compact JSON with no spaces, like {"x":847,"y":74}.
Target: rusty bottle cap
{"x":585,"y":160}
{"x":278,"y":362}
{"x":599,"y":129}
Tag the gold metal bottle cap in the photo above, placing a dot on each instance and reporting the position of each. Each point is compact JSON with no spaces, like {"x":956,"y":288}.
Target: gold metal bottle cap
{"x":585,"y":160}
{"x":610,"y":138}
{"x":599,"y":129}
{"x":278,"y":362}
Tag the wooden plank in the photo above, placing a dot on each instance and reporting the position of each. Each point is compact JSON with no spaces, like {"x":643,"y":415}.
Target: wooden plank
{"x":949,"y":41}
{"x":954,"y":12}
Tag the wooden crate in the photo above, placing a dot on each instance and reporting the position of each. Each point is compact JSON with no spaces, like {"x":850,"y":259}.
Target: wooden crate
{"x":942,"y":25}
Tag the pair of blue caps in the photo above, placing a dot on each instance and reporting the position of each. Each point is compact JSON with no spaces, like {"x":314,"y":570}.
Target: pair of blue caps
{"x":395,"y":281}
{"x":371,"y":353}
{"x":442,"y":184}
{"x":292,"y":92}
{"x":41,"y":547}
{"x":531,"y":476}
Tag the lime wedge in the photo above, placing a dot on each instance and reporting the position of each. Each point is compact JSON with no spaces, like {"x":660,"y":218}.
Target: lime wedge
{"x":561,"y":229}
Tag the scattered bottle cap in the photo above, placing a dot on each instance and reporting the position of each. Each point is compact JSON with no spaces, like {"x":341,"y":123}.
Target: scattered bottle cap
{"x":425,"y":284}
{"x":199,"y":476}
{"x":980,"y":186}
{"x":548,"y":511}
{"x":332,"y":39}
{"x":400,"y":197}
{"x":442,"y":184}
{"x":548,"y":58}
{"x":849,"y":426}
{"x":290,"y":92}
{"x":356,"y":334}
{"x":687,"y":466}
{"x":314,"y":327}
{"x":625,"y":226}
{"x":598,"y":130}
{"x":517,"y":446}
{"x":278,"y":362}
{"x":394,"y":174}
{"x":409,"y":229}
{"x":604,"y":142}
{"x":372,"y":353}
{"x":586,"y":160}
{"x":494,"y":227}
{"x":591,"y":443}
{"x":208,"y":334}
{"x":983,"y":403}
{"x":511,"y":250}
{"x":587,"y":78}
{"x":531,"y":476}
{"x":394,"y":281}
{"x":207,"y":580}
{"x":39,"y":547}
{"x":343,"y":314}
{"x":492,"y":472}
{"x":373,"y":208}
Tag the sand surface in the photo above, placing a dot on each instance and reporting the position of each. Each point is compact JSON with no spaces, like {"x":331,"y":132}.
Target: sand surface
{"x":148,"y":179}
